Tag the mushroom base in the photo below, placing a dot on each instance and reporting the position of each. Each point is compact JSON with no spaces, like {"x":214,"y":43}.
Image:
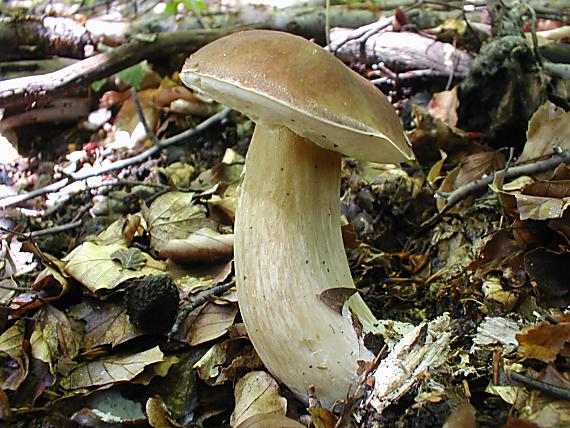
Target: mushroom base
{"x":288,"y":250}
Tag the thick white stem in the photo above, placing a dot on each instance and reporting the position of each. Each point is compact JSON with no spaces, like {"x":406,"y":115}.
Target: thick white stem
{"x":288,"y":249}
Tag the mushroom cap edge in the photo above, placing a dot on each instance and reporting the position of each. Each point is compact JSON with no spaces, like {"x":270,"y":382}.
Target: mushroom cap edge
{"x":285,"y":80}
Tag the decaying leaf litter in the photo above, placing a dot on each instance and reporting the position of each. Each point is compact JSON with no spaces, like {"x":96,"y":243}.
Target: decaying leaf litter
{"x":476,"y":275}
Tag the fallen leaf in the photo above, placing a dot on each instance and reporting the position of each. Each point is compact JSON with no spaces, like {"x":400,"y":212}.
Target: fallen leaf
{"x":109,"y":408}
{"x":106,"y":323}
{"x":335,"y":298}
{"x":173,"y":216}
{"x":210,"y":364}
{"x":15,"y":363}
{"x":93,"y":266}
{"x":256,"y":393}
{"x":177,"y":174}
{"x":111,"y":369}
{"x":544,"y":342}
{"x":62,"y":337}
{"x":548,"y":127}
{"x":130,"y":258}
{"x":203,"y":246}
{"x":158,"y":415}
{"x":477,"y":165}
{"x":443,"y":105}
{"x":322,"y":418}
{"x":212,"y":322}
{"x":38,"y":379}
{"x":270,"y":421}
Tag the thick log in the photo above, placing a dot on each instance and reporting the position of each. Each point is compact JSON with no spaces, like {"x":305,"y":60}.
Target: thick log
{"x":27,"y":90}
{"x":27,"y":38}
{"x":402,"y":51}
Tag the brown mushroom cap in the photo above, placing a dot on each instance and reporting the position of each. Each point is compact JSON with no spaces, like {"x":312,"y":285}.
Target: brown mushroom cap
{"x":285,"y":80}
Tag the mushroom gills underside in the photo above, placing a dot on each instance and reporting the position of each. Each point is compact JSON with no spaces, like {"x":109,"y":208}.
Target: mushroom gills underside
{"x":341,"y":134}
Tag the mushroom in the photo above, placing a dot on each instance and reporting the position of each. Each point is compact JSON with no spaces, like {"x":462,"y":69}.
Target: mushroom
{"x":309,"y":109}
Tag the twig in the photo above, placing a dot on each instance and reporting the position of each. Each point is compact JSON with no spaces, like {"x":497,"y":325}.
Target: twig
{"x":362,"y":385}
{"x":452,"y":198}
{"x":55,"y":229}
{"x":327,"y":22}
{"x":547,"y":388}
{"x":198,"y":301}
{"x":54,"y":187}
{"x":362,"y":34}
{"x":535,"y":47}
{"x":149,"y":133}
{"x":198,"y":15}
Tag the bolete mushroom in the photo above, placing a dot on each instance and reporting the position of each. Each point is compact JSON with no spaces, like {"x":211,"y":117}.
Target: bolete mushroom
{"x":309,"y":108}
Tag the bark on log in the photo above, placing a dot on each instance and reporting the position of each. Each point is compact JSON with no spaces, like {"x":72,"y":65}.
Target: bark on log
{"x":308,"y":22}
{"x":403,"y":51}
{"x":28,"y":38}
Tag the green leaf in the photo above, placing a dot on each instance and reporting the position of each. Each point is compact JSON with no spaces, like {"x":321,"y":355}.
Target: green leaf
{"x":131,"y":258}
{"x":98,"y":84}
{"x":171,"y":8}
{"x":133,"y":76}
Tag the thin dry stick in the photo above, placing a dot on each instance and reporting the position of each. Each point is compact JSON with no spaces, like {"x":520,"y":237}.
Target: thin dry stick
{"x":452,"y":198}
{"x":548,"y":388}
{"x":327,"y":22}
{"x":54,"y":187}
{"x":196,"y":302}
{"x":55,"y":229}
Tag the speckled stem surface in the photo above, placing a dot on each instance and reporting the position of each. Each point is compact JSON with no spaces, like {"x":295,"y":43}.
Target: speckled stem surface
{"x":288,"y":249}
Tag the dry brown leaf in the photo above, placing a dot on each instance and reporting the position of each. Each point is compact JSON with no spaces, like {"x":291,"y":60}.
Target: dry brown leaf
{"x":158,"y":415}
{"x":173,"y":216}
{"x":61,"y":335}
{"x":106,"y":323}
{"x":93,"y":266}
{"x":475,"y":166}
{"x":203,"y":246}
{"x":434,"y":173}
{"x":127,"y":119}
{"x":18,"y":363}
{"x":111,"y":369}
{"x":213,"y":322}
{"x":544,"y":342}
{"x":335,"y":298}
{"x":256,"y":393}
{"x":548,"y":127}
{"x":322,"y":418}
{"x":443,"y":105}
{"x":270,"y":421}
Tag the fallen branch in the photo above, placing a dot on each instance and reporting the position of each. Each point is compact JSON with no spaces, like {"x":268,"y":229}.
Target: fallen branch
{"x":452,"y":198}
{"x":43,"y":88}
{"x":548,"y":388}
{"x":49,"y":35}
{"x":401,"y":51}
{"x":196,"y":302}
{"x":55,"y":229}
{"x":54,"y":187}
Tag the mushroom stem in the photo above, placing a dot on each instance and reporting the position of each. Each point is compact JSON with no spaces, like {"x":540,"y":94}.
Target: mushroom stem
{"x":289,"y":249}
